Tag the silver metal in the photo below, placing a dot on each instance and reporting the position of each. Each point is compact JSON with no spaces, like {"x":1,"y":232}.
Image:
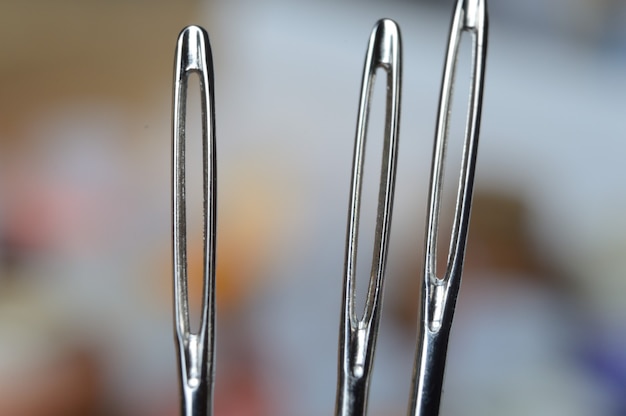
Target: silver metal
{"x":439,"y":294}
{"x":357,"y":337}
{"x":196,"y":352}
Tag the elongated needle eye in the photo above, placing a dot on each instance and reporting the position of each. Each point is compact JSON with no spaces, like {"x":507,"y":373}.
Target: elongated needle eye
{"x":357,"y":338}
{"x":195,"y":350}
{"x":439,"y":293}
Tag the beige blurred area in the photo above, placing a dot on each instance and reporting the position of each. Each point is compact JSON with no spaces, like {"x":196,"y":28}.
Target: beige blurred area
{"x":85,"y":206}
{"x":106,"y":62}
{"x":54,"y":52}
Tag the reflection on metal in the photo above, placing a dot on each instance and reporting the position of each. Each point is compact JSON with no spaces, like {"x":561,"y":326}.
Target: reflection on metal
{"x":196,"y":352}
{"x":439,"y":294}
{"x":357,"y":340}
{"x":358,"y":336}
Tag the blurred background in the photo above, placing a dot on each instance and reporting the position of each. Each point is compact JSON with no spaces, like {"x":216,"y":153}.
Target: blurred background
{"x":85,"y":211}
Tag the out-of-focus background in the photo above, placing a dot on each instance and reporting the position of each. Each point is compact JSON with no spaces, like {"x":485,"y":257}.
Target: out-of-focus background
{"x":85,"y":240}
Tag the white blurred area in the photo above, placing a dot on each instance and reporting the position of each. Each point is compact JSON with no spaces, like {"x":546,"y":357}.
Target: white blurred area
{"x":85,"y":159}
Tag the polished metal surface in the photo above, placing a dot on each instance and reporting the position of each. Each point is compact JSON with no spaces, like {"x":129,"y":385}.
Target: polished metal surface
{"x":195,"y":349}
{"x":439,"y":294}
{"x":357,"y":337}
